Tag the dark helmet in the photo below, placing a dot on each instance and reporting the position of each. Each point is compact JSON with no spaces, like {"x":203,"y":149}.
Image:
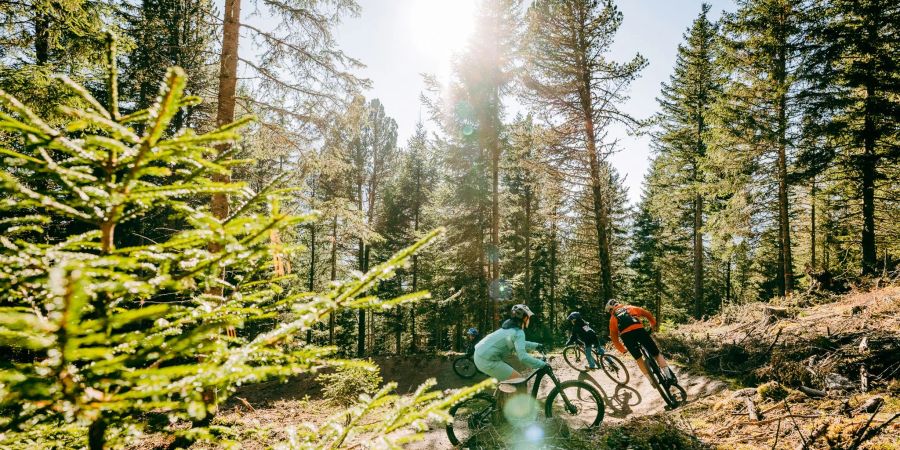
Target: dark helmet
{"x":472,"y":331}
{"x":611,"y":304}
{"x":521,"y":311}
{"x":574,"y":315}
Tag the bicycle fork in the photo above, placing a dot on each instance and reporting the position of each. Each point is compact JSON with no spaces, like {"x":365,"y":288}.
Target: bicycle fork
{"x":570,"y":408}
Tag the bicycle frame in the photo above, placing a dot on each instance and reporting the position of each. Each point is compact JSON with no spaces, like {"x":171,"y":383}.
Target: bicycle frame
{"x":538,"y":376}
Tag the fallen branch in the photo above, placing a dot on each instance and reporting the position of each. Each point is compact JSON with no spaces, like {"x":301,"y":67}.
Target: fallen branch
{"x":862,"y":431}
{"x":767,"y":421}
{"x":812,"y":392}
{"x":778,"y":335}
{"x":246,"y":404}
{"x":874,"y":432}
{"x":751,"y":409}
{"x":816,"y":434}
{"x":796,"y":427}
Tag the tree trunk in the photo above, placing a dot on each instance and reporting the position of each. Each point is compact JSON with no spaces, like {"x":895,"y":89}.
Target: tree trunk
{"x":528,"y":246}
{"x":783,"y":209}
{"x":361,"y":322}
{"x":495,"y":287}
{"x":601,"y":221}
{"x":312,"y":271}
{"x":812,"y":226}
{"x":333,"y":276}
{"x":553,"y":273}
{"x":698,"y":257}
{"x":658,"y":295}
{"x":415,"y":262}
{"x":869,"y":255}
{"x":227,"y":89}
{"x":41,"y":39}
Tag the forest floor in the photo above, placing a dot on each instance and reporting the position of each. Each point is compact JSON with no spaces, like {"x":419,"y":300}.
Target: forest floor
{"x":762,"y":354}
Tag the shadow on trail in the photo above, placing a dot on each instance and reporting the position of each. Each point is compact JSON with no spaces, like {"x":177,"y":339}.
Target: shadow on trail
{"x":620,"y":404}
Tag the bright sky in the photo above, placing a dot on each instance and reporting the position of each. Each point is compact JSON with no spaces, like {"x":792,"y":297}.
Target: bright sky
{"x":401,"y":39}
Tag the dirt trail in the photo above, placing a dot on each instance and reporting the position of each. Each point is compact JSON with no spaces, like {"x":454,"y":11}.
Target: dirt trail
{"x":635,"y":399}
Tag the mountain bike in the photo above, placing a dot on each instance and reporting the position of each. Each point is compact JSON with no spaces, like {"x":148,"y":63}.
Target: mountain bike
{"x":576,"y":403}
{"x":465,"y":367}
{"x":613,"y":367}
{"x":673,"y":394}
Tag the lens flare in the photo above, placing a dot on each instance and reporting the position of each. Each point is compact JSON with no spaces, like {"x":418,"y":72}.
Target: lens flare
{"x":520,"y":410}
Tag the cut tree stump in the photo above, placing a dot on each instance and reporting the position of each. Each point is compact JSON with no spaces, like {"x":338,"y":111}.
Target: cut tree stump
{"x":771,"y":314}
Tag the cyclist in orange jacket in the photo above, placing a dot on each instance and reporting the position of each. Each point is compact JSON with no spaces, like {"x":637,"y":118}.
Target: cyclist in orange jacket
{"x":625,"y":327}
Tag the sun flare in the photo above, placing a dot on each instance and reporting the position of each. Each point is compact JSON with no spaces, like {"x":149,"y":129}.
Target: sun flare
{"x":442,"y":27}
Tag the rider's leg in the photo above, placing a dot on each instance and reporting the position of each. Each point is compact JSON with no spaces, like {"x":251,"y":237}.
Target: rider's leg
{"x":589,"y":353}
{"x":643,"y":366}
{"x":653,"y":349}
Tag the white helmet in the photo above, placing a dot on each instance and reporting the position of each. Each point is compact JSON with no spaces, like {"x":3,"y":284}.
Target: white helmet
{"x":521,"y":311}
{"x":611,"y":304}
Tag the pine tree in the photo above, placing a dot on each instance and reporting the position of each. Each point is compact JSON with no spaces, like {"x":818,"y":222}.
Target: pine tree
{"x":684,"y":134}
{"x":116,"y":333}
{"x":570,"y":80}
{"x":763,"y":50}
{"x":851,"y":80}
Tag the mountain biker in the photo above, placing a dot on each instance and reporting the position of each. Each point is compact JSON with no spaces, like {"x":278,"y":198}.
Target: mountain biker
{"x":582,"y":331}
{"x":472,"y":336}
{"x":510,"y":338}
{"x":625,"y":327}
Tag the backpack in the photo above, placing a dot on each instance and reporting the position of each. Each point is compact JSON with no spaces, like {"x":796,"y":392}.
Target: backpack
{"x":624,"y":318}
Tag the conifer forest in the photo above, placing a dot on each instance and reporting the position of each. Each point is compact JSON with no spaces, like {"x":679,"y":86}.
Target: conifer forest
{"x":311,"y":224}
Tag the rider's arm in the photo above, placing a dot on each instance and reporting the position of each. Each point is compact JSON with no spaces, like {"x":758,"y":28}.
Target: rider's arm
{"x":522,"y":348}
{"x":572,"y":338}
{"x":614,"y":333}
{"x":638,"y":311}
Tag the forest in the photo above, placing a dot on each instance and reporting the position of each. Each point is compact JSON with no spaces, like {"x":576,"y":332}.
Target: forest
{"x":205,"y":210}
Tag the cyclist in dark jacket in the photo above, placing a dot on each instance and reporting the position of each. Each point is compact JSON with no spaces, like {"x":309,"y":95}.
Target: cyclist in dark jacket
{"x":581,"y":331}
{"x":472,"y":336}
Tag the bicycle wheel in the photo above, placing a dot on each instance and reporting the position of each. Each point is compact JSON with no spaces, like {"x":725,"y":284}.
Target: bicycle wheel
{"x":464,"y":367}
{"x":576,"y":403}
{"x":677,"y":395}
{"x":656,"y":378}
{"x":614,"y":368}
{"x":469,"y":417}
{"x":573,"y":356}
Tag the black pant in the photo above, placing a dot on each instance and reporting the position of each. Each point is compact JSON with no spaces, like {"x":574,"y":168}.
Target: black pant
{"x":635,"y":338}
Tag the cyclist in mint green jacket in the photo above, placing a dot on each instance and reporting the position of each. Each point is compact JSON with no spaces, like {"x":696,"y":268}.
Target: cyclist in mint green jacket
{"x":509,"y":339}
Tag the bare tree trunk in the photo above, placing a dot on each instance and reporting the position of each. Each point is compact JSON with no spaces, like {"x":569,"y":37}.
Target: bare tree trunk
{"x":495,"y":287}
{"x":312,"y":271}
{"x":41,"y":38}
{"x":784,"y":223}
{"x":698,"y":256}
{"x":528,"y":245}
{"x":868,"y":166}
{"x":812,"y":225}
{"x":553,"y":272}
{"x":227,"y":89}
{"x":783,"y":209}
{"x":333,"y":276}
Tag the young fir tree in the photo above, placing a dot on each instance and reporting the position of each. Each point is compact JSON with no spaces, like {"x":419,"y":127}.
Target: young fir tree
{"x":569,"y":78}
{"x":851,"y":80}
{"x":763,"y":48}
{"x":686,"y":104}
{"x":121,"y":340}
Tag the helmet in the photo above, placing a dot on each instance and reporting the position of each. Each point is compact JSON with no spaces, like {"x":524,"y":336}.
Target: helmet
{"x":574,"y":315}
{"x":612,"y":303}
{"x":521,"y":311}
{"x":472,"y":331}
